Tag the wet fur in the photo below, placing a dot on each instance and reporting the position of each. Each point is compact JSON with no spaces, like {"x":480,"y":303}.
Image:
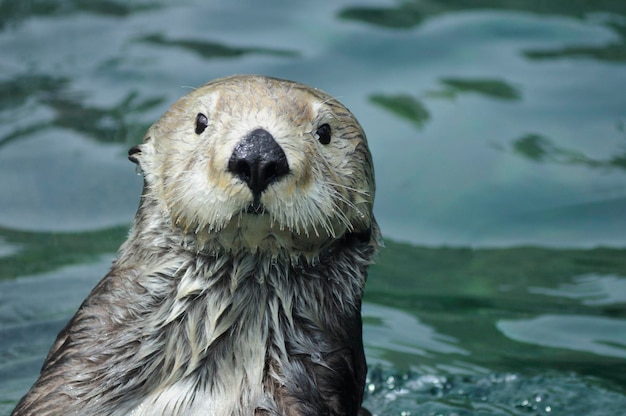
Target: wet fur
{"x":210,"y":310}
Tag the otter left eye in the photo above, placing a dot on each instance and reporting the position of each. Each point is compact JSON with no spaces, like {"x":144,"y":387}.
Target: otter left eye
{"x":201,"y":123}
{"x":324,"y":133}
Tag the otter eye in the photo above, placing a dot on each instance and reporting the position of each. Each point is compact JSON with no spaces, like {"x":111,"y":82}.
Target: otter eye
{"x":323,"y":133}
{"x":201,"y":123}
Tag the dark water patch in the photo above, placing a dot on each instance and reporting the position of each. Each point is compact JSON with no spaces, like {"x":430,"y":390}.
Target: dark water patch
{"x":612,"y":52}
{"x":487,"y":271}
{"x":116,"y":124}
{"x":539,"y":148}
{"x":26,"y":91}
{"x":411,"y":13}
{"x":17,"y":91}
{"x":13,"y":12}
{"x":492,"y":88}
{"x":210,"y":50}
{"x":414,"y":110}
{"x":39,"y":252}
{"x":404,"y":106}
{"x":404,"y":16}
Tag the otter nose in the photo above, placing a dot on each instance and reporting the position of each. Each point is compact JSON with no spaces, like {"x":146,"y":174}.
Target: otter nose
{"x":258,"y":161}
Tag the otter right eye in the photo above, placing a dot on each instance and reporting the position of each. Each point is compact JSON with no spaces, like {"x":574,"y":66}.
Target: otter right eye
{"x":201,"y":123}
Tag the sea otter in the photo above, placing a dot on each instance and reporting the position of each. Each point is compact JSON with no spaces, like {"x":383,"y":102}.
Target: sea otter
{"x":238,"y":290}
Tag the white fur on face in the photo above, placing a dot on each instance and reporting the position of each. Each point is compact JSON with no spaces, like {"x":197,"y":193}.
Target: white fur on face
{"x":328,"y":190}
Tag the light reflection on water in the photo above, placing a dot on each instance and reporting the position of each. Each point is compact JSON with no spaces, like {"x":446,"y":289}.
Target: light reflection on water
{"x":590,"y":289}
{"x":597,"y":335}
{"x":496,"y":124}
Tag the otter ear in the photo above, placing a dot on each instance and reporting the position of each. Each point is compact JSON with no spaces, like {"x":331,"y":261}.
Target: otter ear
{"x":134,"y":154}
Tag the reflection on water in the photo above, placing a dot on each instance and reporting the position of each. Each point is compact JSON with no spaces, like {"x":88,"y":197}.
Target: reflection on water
{"x":541,"y":149}
{"x":497,"y":129}
{"x":615,"y":51}
{"x":111,"y":124}
{"x":403,"y":106}
{"x":493,"y":301}
{"x":212,"y":49}
{"x":410,"y":13}
{"x":493,"y":88}
{"x":602,"y":336}
{"x":40,"y":252}
{"x":393,"y":336}
{"x":104,"y":124}
{"x":415,"y":111}
{"x":591,"y":289}
{"x":16,"y":91}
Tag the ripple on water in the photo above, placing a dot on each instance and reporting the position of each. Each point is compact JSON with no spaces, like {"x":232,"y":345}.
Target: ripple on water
{"x":390,"y":393}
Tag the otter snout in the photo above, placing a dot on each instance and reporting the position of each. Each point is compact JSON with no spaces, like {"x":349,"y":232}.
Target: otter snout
{"x":258,"y":160}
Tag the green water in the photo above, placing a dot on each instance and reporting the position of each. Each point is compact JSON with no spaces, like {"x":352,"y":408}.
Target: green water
{"x":498,"y":133}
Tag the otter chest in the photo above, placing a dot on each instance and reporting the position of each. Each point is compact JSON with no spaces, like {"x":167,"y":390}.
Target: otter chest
{"x":214,"y":350}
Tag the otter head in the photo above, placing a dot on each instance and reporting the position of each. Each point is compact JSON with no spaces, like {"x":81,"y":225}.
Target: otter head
{"x":259,"y":164}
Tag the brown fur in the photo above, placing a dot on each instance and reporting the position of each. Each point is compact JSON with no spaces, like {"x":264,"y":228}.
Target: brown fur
{"x":211,"y":309}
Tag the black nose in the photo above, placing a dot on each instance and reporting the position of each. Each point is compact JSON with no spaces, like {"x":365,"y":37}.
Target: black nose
{"x":258,"y":161}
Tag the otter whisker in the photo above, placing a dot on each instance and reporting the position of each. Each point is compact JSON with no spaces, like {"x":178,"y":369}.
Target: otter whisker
{"x":349,"y":188}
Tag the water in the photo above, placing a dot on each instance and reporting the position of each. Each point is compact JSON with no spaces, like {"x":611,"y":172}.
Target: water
{"x":498,"y":130}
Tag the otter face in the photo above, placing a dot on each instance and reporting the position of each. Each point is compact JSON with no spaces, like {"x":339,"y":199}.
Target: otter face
{"x":258,"y":163}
